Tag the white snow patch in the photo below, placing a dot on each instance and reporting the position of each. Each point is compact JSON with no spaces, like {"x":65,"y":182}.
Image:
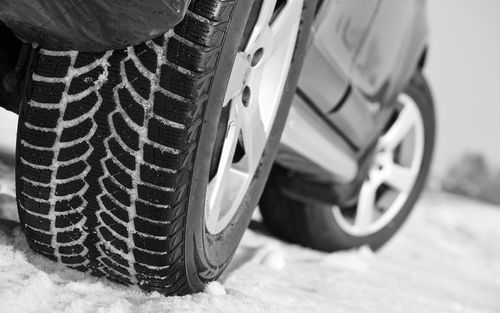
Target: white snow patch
{"x":215,"y":289}
{"x":270,"y":255}
{"x":413,"y":273}
{"x":355,"y":260}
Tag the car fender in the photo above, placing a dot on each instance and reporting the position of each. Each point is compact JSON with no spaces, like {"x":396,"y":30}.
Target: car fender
{"x":90,"y":25}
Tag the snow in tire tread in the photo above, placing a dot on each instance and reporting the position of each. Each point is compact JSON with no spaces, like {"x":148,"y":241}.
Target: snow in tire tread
{"x":106,"y":151}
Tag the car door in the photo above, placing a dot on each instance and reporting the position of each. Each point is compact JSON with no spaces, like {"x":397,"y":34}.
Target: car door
{"x":338,"y":33}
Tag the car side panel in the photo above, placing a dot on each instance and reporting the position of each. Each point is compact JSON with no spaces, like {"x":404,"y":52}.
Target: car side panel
{"x":392,"y":48}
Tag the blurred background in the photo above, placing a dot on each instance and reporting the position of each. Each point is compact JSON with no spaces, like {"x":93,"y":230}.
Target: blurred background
{"x":464,"y":70}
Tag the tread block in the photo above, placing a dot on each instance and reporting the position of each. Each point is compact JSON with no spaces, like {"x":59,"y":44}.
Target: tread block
{"x":72,"y":170}
{"x":114,"y":209}
{"x":152,"y":244}
{"x":160,"y":158}
{"x":199,"y":32}
{"x":38,"y":235}
{"x":154,"y":229}
{"x":172,"y":229}
{"x":119,"y":228}
{"x":84,"y":59}
{"x":78,"y":131}
{"x":125,"y":158}
{"x":40,"y":117}
{"x":147,"y":57}
{"x":150,"y":258}
{"x":85,"y":269}
{"x":47,"y":92}
{"x":185,"y":84}
{"x":84,"y":81}
{"x":118,"y":193}
{"x":160,"y":40}
{"x":118,"y":173}
{"x":70,"y":188}
{"x":111,"y":239}
{"x":147,"y":271}
{"x":164,"y":178}
{"x":52,"y":66}
{"x":40,"y":247}
{"x":133,"y":109}
{"x":112,"y":276}
{"x":141,"y":84}
{"x":69,"y":219}
{"x":73,"y":259}
{"x":70,"y":250}
{"x":39,"y":138}
{"x":152,"y":284}
{"x":157,"y":196}
{"x":35,"y":156}
{"x":114,"y":256}
{"x":79,"y":108}
{"x":172,"y":137}
{"x":37,"y":222}
{"x":37,"y":175}
{"x":69,"y":236}
{"x":217,"y":11}
{"x":154,"y":213}
{"x":73,"y":152}
{"x":182,"y":112}
{"x":129,"y":136}
{"x":191,"y":57}
{"x":69,"y":205}
{"x":38,"y":192}
{"x":114,"y":266}
{"x":38,"y":207}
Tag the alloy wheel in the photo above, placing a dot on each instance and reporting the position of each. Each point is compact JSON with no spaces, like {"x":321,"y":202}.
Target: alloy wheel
{"x":253,"y":96}
{"x":393,"y":175}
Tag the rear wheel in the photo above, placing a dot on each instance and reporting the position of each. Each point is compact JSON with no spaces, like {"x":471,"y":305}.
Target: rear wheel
{"x":387,"y":196}
{"x":143,"y":165}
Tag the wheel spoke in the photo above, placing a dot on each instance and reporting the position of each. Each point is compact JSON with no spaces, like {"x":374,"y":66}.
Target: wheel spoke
{"x":253,"y":134}
{"x":286,"y":23}
{"x":399,"y":130}
{"x":271,"y":37}
{"x":398,"y":177}
{"x":266,"y":13}
{"x":366,"y":205}
{"x":218,"y":183}
{"x":237,"y":77}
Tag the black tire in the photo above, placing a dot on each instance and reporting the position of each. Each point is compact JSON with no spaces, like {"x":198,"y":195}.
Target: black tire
{"x":313,"y":224}
{"x":112,"y":182}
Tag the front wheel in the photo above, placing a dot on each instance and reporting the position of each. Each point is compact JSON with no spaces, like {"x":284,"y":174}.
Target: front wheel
{"x":143,"y":165}
{"x":387,"y":196}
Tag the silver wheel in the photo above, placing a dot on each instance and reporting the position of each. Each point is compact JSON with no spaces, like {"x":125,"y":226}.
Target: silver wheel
{"x":393,"y":174}
{"x":253,"y":95}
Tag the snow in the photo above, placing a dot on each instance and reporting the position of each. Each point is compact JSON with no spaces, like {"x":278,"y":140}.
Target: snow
{"x":446,"y":259}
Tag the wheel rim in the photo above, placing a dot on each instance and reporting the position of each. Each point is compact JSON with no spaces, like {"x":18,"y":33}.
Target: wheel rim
{"x":253,"y":95}
{"x":393,"y":175}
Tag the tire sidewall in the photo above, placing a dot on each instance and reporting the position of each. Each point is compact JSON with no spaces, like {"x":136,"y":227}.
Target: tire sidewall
{"x":207,"y":255}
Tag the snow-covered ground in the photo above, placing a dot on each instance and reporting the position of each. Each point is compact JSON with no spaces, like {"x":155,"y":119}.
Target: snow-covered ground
{"x":446,"y":259}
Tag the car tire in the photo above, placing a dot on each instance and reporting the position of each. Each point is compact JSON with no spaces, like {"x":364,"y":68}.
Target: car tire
{"x":115,"y":152}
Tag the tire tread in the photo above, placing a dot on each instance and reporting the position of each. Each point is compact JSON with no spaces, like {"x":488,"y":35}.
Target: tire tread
{"x":106,"y":150}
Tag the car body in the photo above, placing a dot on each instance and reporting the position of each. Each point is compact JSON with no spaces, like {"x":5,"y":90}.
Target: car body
{"x":363,"y":53}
